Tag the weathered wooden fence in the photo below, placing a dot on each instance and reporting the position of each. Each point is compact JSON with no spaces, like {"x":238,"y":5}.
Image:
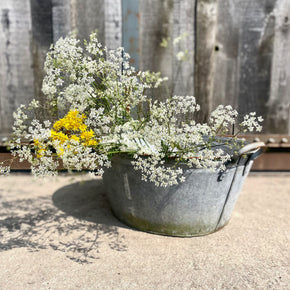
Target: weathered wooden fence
{"x":238,"y":51}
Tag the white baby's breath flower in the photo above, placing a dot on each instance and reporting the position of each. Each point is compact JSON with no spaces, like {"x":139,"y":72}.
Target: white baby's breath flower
{"x":180,"y":55}
{"x":251,"y":122}
{"x":47,"y":123}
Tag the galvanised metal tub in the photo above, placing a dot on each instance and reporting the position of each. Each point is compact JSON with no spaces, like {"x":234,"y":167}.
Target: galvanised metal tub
{"x":199,"y":206}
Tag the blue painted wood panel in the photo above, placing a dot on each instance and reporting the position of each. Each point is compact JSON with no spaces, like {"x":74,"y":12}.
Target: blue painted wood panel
{"x":130,"y":30}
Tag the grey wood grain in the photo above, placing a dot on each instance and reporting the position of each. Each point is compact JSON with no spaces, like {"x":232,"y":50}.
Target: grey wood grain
{"x":156,"y":21}
{"x":61,"y":18}
{"x":112,"y":19}
{"x":206,"y":26}
{"x":16,"y":74}
{"x":242,"y":48}
{"x":255,"y":56}
{"x":278,"y":105}
{"x":87,"y":16}
{"x":239,"y":50}
{"x":183,"y":25}
{"x":41,"y":39}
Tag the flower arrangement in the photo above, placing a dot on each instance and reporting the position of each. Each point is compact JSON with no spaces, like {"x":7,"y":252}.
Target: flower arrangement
{"x":99,"y":107}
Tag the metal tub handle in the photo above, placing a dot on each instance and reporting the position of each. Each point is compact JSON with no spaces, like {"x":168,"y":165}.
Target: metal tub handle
{"x":251,"y":148}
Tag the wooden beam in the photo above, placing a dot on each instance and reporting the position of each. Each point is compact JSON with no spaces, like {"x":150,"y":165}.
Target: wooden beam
{"x":278,"y":161}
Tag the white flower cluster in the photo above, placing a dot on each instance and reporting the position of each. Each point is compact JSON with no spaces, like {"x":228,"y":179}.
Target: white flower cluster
{"x":4,"y":170}
{"x":101,"y":110}
{"x":155,"y":170}
{"x":252,"y":123}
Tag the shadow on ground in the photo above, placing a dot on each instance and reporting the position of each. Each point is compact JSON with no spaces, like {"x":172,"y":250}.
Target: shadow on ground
{"x":77,"y":221}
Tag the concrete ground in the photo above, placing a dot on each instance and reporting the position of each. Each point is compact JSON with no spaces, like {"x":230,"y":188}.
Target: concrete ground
{"x":61,"y":234}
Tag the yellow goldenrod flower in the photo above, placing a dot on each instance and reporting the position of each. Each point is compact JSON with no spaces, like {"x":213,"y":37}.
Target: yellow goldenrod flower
{"x":87,"y":135}
{"x":40,"y":153}
{"x":36,"y":142}
{"x":91,"y":143}
{"x":83,"y":128}
{"x":75,"y":138}
{"x":72,"y":127}
{"x":39,"y":148}
{"x":73,"y":121}
{"x":58,"y":124}
{"x":61,"y":137}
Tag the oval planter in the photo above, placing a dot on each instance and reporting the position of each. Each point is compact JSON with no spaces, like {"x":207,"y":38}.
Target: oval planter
{"x":199,"y":206}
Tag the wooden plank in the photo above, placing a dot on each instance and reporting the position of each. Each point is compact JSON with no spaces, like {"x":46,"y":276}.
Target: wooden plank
{"x":41,"y":39}
{"x":87,"y":16}
{"x":156,"y":21}
{"x":270,"y":140}
{"x":15,"y":163}
{"x":16,"y":74}
{"x":278,"y":104}
{"x":130,"y":30}
{"x":225,"y":55}
{"x":61,"y":18}
{"x":113,"y":24}
{"x":267,"y":161}
{"x":41,"y":15}
{"x":255,"y":56}
{"x":167,"y":20}
{"x":183,"y":26}
{"x":272,"y":161}
{"x":206,"y":26}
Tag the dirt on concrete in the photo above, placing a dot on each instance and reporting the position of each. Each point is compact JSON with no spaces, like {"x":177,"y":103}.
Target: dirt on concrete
{"x":61,"y":234}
